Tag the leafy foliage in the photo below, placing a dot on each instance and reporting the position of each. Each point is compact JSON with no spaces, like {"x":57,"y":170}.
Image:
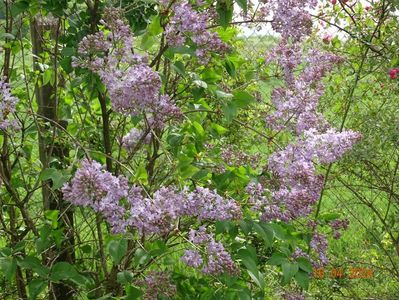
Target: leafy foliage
{"x":143,"y":156}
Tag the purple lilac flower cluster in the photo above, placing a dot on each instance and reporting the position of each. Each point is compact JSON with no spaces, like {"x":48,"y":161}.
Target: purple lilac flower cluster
{"x":132,"y":85}
{"x":213,"y":258}
{"x":296,"y":103}
{"x":157,"y":284}
{"x":299,"y":185}
{"x":319,"y":245}
{"x":130,"y":140}
{"x":294,"y":167}
{"x":329,"y":146}
{"x":296,"y":184}
{"x":159,"y":214}
{"x":8,"y":104}
{"x":300,"y":253}
{"x":293,"y":296}
{"x":292,"y":18}
{"x":337,"y":225}
{"x":94,"y":187}
{"x":234,"y":157}
{"x":208,"y":205}
{"x":189,"y":24}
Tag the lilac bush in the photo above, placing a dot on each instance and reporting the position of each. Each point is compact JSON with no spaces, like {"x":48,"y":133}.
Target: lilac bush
{"x":134,"y":87}
{"x":150,"y":119}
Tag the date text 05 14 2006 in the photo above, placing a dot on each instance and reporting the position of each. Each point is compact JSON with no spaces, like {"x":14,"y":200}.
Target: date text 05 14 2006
{"x":336,"y":273}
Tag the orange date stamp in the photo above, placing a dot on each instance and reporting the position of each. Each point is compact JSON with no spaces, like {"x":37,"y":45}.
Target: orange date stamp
{"x":339,"y":273}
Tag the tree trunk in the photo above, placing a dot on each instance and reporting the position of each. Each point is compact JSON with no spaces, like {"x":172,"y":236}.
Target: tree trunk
{"x":46,"y":98}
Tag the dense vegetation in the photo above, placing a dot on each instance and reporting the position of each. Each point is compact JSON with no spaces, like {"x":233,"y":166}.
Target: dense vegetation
{"x":145,"y":155}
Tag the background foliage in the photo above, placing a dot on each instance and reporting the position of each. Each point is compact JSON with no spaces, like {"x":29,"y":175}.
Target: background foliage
{"x":51,"y":249}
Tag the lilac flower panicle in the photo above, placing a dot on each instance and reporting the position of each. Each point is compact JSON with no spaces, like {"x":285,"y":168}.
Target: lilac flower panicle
{"x":329,"y":146}
{"x":300,"y":253}
{"x":208,"y":205}
{"x":8,"y":105}
{"x":157,"y":215}
{"x":96,"y":188}
{"x":293,"y":296}
{"x":292,"y":18}
{"x":299,"y":185}
{"x":257,"y":196}
{"x":133,"y":87}
{"x":214,"y":259}
{"x":130,"y":140}
{"x":192,"y":258}
{"x":157,"y":284}
{"x":189,"y":24}
{"x":337,"y":225}
{"x":319,"y":244}
{"x":93,"y":187}
{"x":296,"y":103}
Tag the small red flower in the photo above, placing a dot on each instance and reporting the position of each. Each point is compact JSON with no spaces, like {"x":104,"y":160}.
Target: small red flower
{"x":393,"y":73}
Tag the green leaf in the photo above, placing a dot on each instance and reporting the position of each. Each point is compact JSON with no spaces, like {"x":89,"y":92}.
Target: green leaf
{"x":279,"y":231}
{"x":302,"y":278}
{"x":35,"y":287}
{"x":9,"y":266}
{"x":155,"y":27}
{"x":6,"y":35}
{"x":86,"y":249}
{"x":252,"y":269}
{"x":230,"y":111}
{"x":242,"y":99}
{"x":19,"y":7}
{"x":243,"y":4}
{"x":257,"y":277}
{"x":223,"y":95}
{"x":6,"y":251}
{"x":141,"y":174}
{"x":200,"y":83}
{"x":188,"y":171}
{"x":52,"y":215}
{"x":199,"y":130}
{"x":47,"y":76}
{"x":230,"y":67}
{"x":133,"y":293}
{"x":34,"y":264}
{"x":147,"y":41}
{"x":117,"y":250}
{"x":219,"y":129}
{"x":267,"y":236}
{"x":140,"y":257}
{"x":179,"y":50}
{"x":329,"y":216}
{"x":68,"y":51}
{"x":66,"y":64}
{"x":304,"y":264}
{"x":57,"y":177}
{"x":277,"y":259}
{"x":124,"y":277}
{"x":246,"y":226}
{"x":289,"y":270}
{"x":225,"y":12}
{"x":65,"y":271}
{"x":179,"y":68}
